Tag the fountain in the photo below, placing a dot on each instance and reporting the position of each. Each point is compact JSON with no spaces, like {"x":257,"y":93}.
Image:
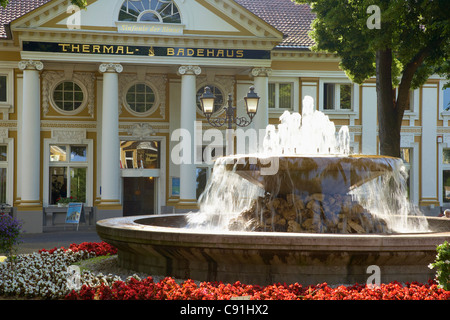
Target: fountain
{"x":304,"y":209}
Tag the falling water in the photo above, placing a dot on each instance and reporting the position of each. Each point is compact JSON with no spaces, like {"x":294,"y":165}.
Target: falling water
{"x":319,"y":185}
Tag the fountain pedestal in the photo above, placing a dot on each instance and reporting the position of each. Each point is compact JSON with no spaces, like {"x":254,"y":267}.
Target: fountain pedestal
{"x":327,"y":174}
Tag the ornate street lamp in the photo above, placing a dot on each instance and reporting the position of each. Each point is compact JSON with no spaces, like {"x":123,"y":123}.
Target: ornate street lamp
{"x":251,"y":104}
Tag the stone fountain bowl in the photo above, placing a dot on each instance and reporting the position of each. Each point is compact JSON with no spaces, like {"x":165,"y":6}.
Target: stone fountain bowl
{"x":329,"y":174}
{"x":161,"y":245}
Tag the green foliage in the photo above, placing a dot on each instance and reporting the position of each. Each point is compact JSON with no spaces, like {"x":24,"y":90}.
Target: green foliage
{"x":81,"y":3}
{"x":417,"y":31}
{"x":442,"y":265}
{"x":401,"y":42}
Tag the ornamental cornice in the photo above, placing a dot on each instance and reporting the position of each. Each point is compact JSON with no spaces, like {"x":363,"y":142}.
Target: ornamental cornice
{"x":8,"y":124}
{"x":31,"y":65}
{"x":110,"y":67}
{"x":157,"y":127}
{"x":189,"y":70}
{"x":142,"y":40}
{"x":68,"y":124}
{"x":415,"y":130}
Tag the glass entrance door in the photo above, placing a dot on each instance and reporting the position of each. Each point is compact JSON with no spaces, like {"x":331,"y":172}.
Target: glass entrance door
{"x":139,"y":196}
{"x":141,"y":169}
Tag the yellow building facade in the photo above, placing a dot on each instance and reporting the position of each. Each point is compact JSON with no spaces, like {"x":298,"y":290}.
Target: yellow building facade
{"x":95,"y":103}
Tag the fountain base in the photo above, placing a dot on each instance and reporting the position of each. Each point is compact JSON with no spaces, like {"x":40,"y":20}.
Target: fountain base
{"x":160,"y":245}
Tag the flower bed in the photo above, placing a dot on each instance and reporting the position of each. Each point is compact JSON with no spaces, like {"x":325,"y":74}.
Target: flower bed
{"x":97,"y":248}
{"x":44,"y":275}
{"x":169,"y":289}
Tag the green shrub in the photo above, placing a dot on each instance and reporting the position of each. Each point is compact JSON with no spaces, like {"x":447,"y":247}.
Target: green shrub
{"x":442,"y":265}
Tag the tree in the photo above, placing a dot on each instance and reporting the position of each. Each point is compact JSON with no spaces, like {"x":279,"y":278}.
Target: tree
{"x":81,"y":3}
{"x":401,"y":42}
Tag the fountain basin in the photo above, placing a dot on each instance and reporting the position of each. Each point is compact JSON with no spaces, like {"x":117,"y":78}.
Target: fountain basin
{"x":161,"y":245}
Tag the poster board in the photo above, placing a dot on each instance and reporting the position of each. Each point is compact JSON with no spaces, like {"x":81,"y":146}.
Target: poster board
{"x":175,"y":186}
{"x":75,"y":213}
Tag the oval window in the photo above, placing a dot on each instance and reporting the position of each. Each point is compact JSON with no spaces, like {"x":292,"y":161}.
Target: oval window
{"x":68,"y":96}
{"x":140,"y":98}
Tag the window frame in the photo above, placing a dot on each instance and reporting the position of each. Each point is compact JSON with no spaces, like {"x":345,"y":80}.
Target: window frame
{"x":145,"y":11}
{"x":62,"y":111}
{"x":446,"y":99}
{"x":296,"y":91}
{"x":89,"y":164}
{"x":336,"y":95}
{"x":443,"y":114}
{"x":68,"y":164}
{"x":277,"y":95}
{"x":8,"y":165}
{"x":134,"y":157}
{"x":154,"y":107}
{"x":7,"y":106}
{"x":443,"y":167}
{"x":408,"y":163}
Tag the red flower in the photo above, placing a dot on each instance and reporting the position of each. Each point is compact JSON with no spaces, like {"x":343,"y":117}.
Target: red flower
{"x":169,"y":289}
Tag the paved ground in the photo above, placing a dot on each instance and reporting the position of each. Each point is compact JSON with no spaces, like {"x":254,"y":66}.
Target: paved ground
{"x":57,"y":236}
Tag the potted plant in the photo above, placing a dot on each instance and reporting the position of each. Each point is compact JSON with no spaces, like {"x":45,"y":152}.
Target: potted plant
{"x":64,"y":202}
{"x":10,"y":235}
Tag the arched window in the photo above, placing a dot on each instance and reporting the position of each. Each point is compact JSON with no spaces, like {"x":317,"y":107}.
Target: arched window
{"x":159,"y":11}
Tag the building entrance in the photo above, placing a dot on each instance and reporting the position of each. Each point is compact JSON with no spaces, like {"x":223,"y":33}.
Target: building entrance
{"x":141,"y":166}
{"x":139,"y":196}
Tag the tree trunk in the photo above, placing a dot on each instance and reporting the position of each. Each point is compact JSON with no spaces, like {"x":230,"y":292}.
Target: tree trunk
{"x":389,"y":120}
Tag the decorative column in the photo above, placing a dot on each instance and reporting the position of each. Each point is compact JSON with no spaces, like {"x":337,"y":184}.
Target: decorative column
{"x":188,"y":175}
{"x":261,"y":83}
{"x":30,"y":207}
{"x":110,"y":144}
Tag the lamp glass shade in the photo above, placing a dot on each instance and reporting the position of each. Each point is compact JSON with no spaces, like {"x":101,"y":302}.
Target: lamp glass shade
{"x":251,"y":101}
{"x":207,"y":101}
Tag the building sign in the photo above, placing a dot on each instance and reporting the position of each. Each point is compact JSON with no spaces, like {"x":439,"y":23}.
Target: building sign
{"x":151,"y":51}
{"x":149,"y":28}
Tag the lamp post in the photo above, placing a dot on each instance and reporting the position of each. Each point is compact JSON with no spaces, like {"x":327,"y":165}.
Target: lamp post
{"x":251,"y":104}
